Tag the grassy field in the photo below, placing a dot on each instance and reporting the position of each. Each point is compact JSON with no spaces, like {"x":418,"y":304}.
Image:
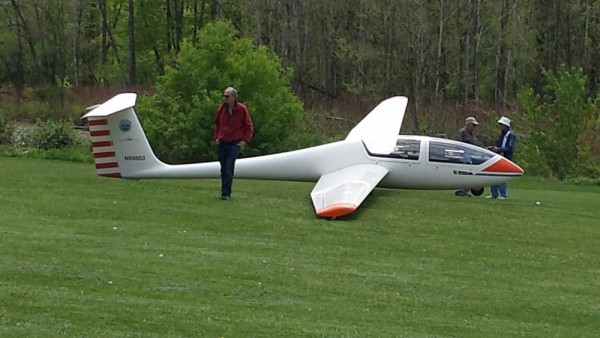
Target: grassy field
{"x":89,"y":256}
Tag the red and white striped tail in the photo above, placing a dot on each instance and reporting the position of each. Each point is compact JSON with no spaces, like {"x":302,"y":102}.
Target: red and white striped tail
{"x":120,"y":146}
{"x":105,"y":156}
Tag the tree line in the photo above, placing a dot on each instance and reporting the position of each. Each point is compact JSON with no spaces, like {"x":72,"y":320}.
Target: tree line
{"x":465,"y":50}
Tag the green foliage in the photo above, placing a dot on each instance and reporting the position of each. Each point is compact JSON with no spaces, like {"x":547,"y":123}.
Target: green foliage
{"x":588,"y":163}
{"x":56,"y":135}
{"x":31,"y":110}
{"x":585,"y":181}
{"x":45,"y":140}
{"x":554,"y":119}
{"x":45,"y":102}
{"x":55,"y":102}
{"x":7,"y":129}
{"x":82,"y":155}
{"x":179,"y":118}
{"x":113,"y":73}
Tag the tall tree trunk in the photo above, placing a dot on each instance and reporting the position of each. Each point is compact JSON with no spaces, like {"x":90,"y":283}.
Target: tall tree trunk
{"x":557,"y":6}
{"x":510,"y":72}
{"x":198,"y":18}
{"x":107,"y":36}
{"x":362,"y":45}
{"x":18,"y":79}
{"x":467,"y":36}
{"x":438,"y":60}
{"x":501,"y":57}
{"x":20,"y":20}
{"x":178,"y":23}
{"x":132,"y":77}
{"x":77,"y":42}
{"x":477,"y":52}
{"x":103,"y":36}
{"x":329,"y":53}
{"x":215,"y":9}
{"x":294,"y":44}
{"x":169,"y":25}
{"x":148,"y":31}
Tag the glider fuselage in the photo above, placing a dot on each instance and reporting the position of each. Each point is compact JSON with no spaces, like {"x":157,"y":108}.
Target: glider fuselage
{"x":417,"y":171}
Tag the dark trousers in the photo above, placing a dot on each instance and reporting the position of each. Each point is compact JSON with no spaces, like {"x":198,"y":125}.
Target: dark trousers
{"x":228,"y":152}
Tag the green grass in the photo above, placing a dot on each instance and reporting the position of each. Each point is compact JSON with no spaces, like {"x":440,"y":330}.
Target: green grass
{"x":81,"y":257}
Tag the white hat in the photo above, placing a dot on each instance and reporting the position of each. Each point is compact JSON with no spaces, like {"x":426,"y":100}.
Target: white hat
{"x":503,"y":120}
{"x":471,"y":119}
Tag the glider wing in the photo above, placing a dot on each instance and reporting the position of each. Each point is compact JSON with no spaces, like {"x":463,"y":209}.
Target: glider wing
{"x":339,"y":193}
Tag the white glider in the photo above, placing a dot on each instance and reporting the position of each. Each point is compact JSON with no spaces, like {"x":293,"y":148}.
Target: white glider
{"x":373,"y":154}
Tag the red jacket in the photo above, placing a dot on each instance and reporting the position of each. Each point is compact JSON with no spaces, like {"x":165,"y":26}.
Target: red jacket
{"x":233,"y":127}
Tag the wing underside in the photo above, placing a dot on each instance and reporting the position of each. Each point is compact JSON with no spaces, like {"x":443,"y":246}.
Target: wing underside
{"x":341,"y":192}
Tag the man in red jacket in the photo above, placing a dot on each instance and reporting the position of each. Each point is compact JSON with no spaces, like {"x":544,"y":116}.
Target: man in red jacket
{"x":233,"y":129}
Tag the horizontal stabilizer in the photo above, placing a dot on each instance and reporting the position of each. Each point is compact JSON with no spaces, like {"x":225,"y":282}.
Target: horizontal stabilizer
{"x":114,"y":105}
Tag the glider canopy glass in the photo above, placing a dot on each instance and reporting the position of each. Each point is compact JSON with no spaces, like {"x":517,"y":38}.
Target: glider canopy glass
{"x":407,"y":149}
{"x":461,"y":153}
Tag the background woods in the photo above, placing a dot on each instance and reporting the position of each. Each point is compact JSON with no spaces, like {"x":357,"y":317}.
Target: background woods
{"x":465,"y":50}
{"x":451,"y":58}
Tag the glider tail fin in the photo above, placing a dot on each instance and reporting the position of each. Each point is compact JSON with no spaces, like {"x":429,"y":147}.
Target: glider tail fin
{"x":119,"y":144}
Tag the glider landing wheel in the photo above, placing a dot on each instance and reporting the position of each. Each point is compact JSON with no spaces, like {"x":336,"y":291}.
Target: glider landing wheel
{"x":477,"y":191}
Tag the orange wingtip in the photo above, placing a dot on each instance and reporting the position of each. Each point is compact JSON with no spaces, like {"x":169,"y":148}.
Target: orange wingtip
{"x":504,"y":166}
{"x":337,"y":210}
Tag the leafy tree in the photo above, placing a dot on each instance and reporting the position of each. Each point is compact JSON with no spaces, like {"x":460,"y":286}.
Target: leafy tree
{"x":179,"y":117}
{"x":555,"y":119}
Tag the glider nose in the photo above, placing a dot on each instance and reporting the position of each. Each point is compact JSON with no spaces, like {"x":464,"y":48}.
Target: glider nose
{"x":504,"y":166}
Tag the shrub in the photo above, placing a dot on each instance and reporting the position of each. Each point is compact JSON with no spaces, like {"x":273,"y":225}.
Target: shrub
{"x":33,"y":111}
{"x":21,"y":137}
{"x":554,"y":120}
{"x":7,"y":129}
{"x":56,"y":135}
{"x":179,"y":118}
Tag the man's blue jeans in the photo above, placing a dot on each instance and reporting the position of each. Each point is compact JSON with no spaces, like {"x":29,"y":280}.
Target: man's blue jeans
{"x":228,"y":152}
{"x":499,"y":190}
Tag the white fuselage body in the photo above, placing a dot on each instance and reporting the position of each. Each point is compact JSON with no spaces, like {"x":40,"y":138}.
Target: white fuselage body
{"x":311,"y":163}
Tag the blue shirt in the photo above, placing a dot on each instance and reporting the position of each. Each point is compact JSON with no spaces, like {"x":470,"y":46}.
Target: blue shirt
{"x":506,"y":143}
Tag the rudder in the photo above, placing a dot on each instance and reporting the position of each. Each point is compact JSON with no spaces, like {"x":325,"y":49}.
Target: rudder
{"x":105,"y":156}
{"x":119,"y":144}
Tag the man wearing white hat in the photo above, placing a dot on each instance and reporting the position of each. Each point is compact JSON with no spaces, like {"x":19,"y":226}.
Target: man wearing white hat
{"x":467,"y":135}
{"x":504,"y":147}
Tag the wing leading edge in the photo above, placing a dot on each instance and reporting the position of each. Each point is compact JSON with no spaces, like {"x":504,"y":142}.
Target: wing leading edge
{"x":341,"y":192}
